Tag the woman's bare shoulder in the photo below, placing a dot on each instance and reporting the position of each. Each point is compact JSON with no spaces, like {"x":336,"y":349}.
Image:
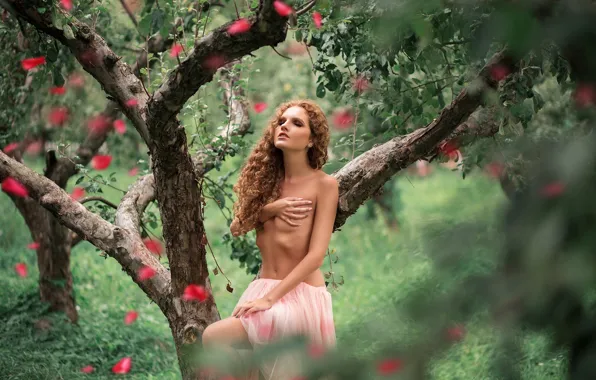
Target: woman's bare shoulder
{"x":326,"y":182}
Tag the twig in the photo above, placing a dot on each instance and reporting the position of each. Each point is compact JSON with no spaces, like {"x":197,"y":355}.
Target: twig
{"x":306,"y":8}
{"x":236,"y":6}
{"x":130,"y":14}
{"x":281,"y":55}
{"x":100,"y":199}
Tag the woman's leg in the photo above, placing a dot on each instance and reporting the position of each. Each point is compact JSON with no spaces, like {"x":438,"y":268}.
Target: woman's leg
{"x":227,"y":332}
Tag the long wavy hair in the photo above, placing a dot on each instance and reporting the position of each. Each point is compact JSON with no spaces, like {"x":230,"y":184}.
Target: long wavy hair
{"x":261,"y":177}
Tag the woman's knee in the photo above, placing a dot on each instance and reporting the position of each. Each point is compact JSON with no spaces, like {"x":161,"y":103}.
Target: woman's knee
{"x":228,"y":331}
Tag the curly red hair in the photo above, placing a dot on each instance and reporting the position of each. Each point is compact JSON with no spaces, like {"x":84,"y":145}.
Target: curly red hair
{"x":260,"y":179}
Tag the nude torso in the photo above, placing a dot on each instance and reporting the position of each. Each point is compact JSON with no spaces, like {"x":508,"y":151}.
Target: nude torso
{"x":283,"y":246}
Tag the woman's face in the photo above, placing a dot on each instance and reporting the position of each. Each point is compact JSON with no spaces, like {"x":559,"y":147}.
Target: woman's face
{"x":293,"y":130}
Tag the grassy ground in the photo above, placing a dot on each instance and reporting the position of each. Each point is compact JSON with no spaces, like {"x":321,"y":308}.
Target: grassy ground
{"x":379,"y":266}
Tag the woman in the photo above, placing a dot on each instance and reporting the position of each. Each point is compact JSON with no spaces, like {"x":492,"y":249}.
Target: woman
{"x":284,"y":194}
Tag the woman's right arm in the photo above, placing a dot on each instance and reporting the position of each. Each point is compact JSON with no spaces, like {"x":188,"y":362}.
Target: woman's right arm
{"x":268,"y":212}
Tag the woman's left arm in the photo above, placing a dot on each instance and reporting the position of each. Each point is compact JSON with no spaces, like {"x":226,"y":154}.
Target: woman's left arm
{"x":325,"y":213}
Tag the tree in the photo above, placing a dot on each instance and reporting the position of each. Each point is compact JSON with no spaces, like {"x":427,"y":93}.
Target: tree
{"x":176,"y":179}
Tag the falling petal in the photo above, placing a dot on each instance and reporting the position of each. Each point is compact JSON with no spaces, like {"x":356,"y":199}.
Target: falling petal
{"x":132,"y":102}
{"x":123,"y":366}
{"x":283,"y":9}
{"x":214,"y":62}
{"x":133,"y":172}
{"x":494,"y":169}
{"x":66,"y":4}
{"x":130,"y":317}
{"x":98,"y":124}
{"x":389,"y":366}
{"x":315,"y":351}
{"x":194,"y":292}
{"x":448,"y":148}
{"x":456,"y":333}
{"x":60,"y":90}
{"x":77,"y":193}
{"x":30,"y":63}
{"x":146,"y":272}
{"x":14,"y":187}
{"x":120,"y":126}
{"x":499,"y":72}
{"x":360,"y":84}
{"x":343,"y":119}
{"x":76,"y":80}
{"x":21,"y":269}
{"x":260,"y":107}
{"x":239,"y":26}
{"x":10,"y":147}
{"x":584,"y":95}
{"x":318,"y":19}
{"x":101,"y":162}
{"x":58,"y":116}
{"x":154,"y":246}
{"x":87,"y":369}
{"x":176,"y":50}
{"x":553,"y":189}
{"x":34,"y":148}
{"x":34,"y":245}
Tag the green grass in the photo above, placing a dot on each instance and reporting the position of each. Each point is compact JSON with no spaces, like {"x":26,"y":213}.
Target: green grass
{"x":380,"y":267}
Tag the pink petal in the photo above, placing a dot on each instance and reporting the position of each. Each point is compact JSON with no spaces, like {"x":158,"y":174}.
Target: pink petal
{"x":318,"y":19}
{"x":315,"y":351}
{"x":66,"y":4}
{"x":21,"y":269}
{"x":494,"y":169}
{"x":360,"y":84}
{"x":76,"y":80}
{"x":101,"y":162}
{"x":584,"y":95}
{"x":456,"y":333}
{"x":123,"y":366}
{"x":130,"y":317}
{"x":58,"y":90}
{"x":194,"y":292}
{"x":282,"y":8}
{"x":343,"y":119}
{"x":133,"y":172}
{"x":34,"y":148}
{"x":240,"y":26}
{"x":389,"y":366}
{"x":214,"y":62}
{"x":120,"y":126}
{"x":553,"y":189}
{"x":260,"y":107}
{"x":77,"y":193}
{"x":58,"y":116}
{"x":98,"y":124}
{"x":146,"y":272}
{"x":176,"y":50}
{"x":499,"y":72}
{"x":34,"y":245}
{"x":132,"y":102}
{"x":10,"y":147}
{"x":154,"y":246}
{"x":30,"y":63}
{"x":14,"y":187}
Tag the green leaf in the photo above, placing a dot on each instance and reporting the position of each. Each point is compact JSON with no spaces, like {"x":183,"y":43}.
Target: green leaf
{"x":68,"y":33}
{"x":57,"y":76}
{"x":321,"y":90}
{"x":298,"y":35}
{"x":145,"y":24}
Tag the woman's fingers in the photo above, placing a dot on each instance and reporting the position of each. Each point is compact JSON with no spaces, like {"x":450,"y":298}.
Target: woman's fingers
{"x":285,"y":219}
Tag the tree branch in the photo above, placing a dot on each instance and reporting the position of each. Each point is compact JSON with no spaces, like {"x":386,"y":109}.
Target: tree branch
{"x":360,"y":178}
{"x":122,"y":244}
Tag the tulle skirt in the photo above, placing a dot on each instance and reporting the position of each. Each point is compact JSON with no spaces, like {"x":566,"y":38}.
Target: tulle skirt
{"x":306,"y":310}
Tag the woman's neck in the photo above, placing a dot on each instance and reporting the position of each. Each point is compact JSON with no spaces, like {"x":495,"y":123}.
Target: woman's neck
{"x":296,"y":165}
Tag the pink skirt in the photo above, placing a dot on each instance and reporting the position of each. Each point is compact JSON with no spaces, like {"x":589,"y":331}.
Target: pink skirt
{"x":306,"y":310}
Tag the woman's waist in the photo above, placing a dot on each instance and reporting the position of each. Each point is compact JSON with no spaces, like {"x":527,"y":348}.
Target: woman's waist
{"x":315,"y":278}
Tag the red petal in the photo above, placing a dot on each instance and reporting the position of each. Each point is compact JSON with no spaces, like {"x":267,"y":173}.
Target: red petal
{"x":10,"y":147}
{"x":214,"y":62}
{"x":99,"y":124}
{"x":133,"y":172}
{"x":282,"y":8}
{"x":58,"y":90}
{"x":101,"y":162}
{"x":553,"y":189}
{"x":343,"y":119}
{"x":584,"y":95}
{"x":499,"y":72}
{"x":195,"y":292}
{"x":154,"y":246}
{"x":240,"y":26}
{"x":120,"y":126}
{"x":456,"y":333}
{"x":260,"y":107}
{"x":30,"y":63}
{"x":130,"y":317}
{"x":176,"y":50}
{"x":389,"y":366}
{"x":318,"y":19}
{"x":360,"y":84}
{"x":66,"y":4}
{"x":448,"y":148}
{"x":76,"y":80}
{"x":87,"y":369}
{"x":132,"y":102}
{"x":494,"y":169}
{"x":123,"y":366}
{"x":146,"y":272}
{"x":77,"y":193}
{"x":14,"y":187}
{"x":34,"y":148}
{"x":21,"y":269}
{"x":33,"y":245}
{"x":58,"y":116}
